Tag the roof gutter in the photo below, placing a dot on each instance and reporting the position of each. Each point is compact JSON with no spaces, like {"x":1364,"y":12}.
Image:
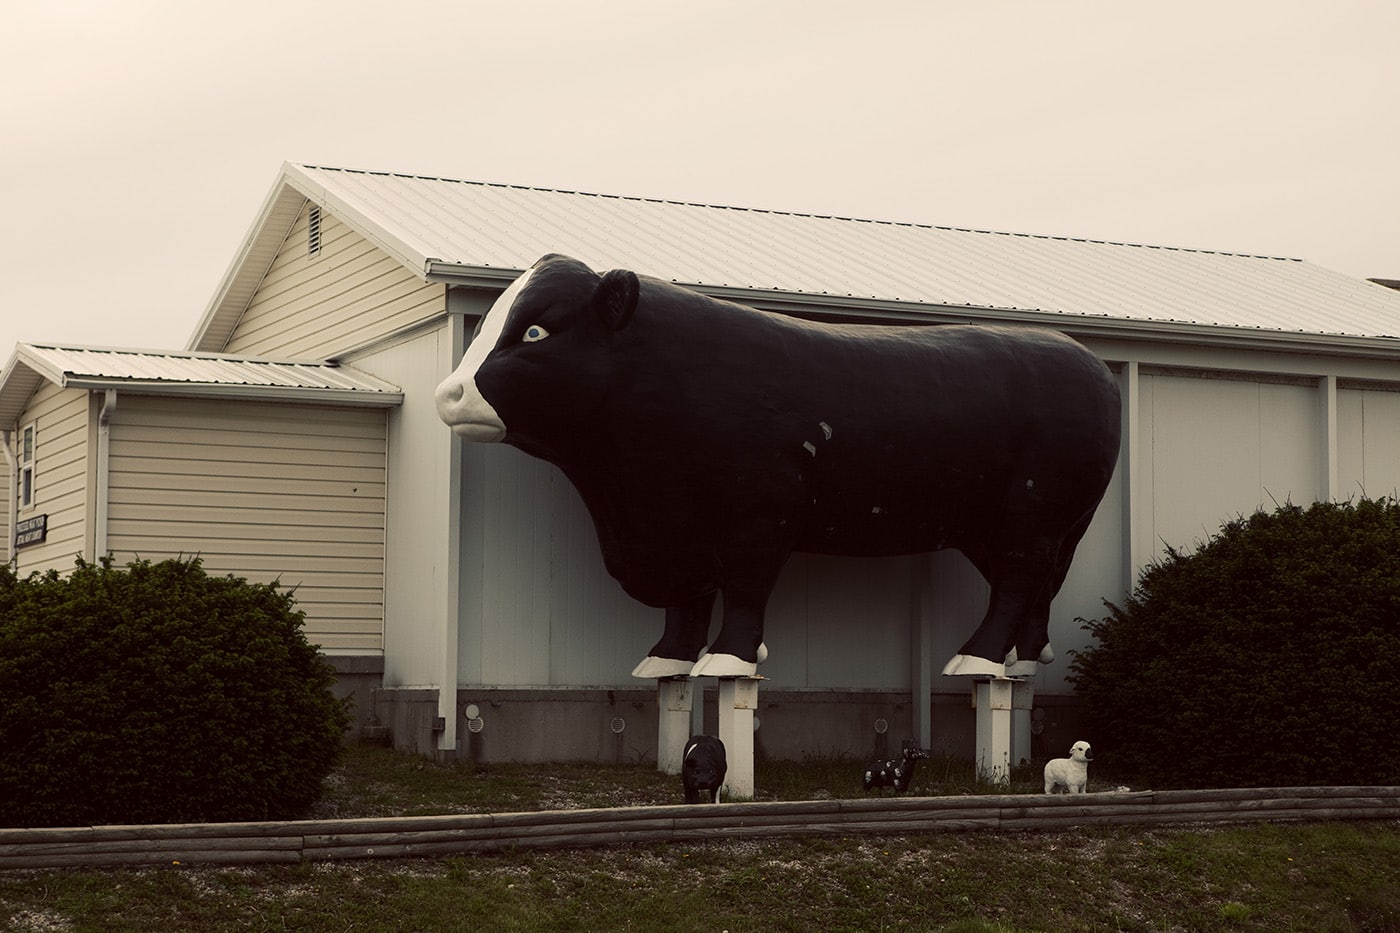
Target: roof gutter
{"x":821,"y":306}
{"x":358,"y":398}
{"x":456,"y":273}
{"x":104,"y":459}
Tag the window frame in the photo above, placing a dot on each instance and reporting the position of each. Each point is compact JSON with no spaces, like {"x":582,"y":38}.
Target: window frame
{"x":28,"y":457}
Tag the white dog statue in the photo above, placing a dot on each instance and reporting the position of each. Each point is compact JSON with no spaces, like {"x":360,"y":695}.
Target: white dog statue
{"x":1071,"y":773}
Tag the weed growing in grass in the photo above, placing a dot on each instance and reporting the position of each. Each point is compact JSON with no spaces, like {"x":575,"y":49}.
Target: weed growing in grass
{"x":1234,"y":912}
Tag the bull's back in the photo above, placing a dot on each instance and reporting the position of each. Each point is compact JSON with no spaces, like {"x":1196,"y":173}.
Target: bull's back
{"x":857,"y":439}
{"x":925,"y":437}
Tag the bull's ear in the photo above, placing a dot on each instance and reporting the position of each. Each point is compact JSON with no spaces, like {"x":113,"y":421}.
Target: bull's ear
{"x":616,"y":298}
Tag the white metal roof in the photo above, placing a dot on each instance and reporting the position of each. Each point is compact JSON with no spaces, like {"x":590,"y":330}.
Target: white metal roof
{"x":166,"y":372}
{"x":457,"y":230}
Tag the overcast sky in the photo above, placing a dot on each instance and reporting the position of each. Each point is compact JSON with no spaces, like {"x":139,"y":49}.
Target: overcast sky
{"x":141,"y":137}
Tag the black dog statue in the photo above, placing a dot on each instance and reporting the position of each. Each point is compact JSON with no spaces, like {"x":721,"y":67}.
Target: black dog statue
{"x":703,"y":768}
{"x":894,"y":772}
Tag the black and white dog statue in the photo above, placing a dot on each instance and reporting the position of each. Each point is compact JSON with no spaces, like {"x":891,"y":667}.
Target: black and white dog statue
{"x":894,"y":772}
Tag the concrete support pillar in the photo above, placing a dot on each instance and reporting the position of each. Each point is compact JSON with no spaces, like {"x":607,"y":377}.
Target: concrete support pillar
{"x":738,"y":698}
{"x":998,"y":747}
{"x":675,"y":698}
{"x":1022,"y":699}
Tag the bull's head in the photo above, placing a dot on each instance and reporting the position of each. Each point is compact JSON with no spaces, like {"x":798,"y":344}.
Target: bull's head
{"x":535,"y":357}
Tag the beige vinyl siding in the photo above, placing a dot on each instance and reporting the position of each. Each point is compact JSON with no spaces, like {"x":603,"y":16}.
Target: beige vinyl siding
{"x":7,"y":494}
{"x":61,"y":459}
{"x":260,"y":490}
{"x":348,"y":295}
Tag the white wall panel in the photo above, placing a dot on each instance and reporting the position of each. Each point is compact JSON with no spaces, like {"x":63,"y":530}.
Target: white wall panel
{"x":1219,"y":448}
{"x":839,"y":622}
{"x":1095,"y":575}
{"x":417,"y":521}
{"x":539,"y":606}
{"x":1368,"y":445}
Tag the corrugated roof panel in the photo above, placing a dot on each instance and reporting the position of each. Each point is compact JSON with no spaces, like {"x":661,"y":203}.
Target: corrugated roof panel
{"x":489,"y":226}
{"x":89,"y":364}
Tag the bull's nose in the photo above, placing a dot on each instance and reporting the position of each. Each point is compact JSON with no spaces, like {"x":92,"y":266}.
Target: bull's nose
{"x":469,"y":415}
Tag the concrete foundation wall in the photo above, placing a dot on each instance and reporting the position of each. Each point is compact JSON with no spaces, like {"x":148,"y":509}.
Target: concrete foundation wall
{"x":620,"y":726}
{"x":356,"y":679}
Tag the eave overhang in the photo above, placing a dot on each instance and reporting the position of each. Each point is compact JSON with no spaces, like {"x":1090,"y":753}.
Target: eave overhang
{"x":849,"y":308}
{"x":168,"y":373}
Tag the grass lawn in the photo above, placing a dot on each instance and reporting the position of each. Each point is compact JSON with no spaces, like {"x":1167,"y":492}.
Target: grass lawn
{"x":1313,"y":877}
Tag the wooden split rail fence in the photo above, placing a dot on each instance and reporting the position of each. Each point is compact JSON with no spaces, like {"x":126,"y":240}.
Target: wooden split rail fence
{"x":308,"y":840}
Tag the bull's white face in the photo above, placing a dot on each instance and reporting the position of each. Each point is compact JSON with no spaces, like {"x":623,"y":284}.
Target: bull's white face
{"x":459,"y":401}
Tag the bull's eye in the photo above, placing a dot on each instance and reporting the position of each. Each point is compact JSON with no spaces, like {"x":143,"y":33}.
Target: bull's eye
{"x":533,"y":333}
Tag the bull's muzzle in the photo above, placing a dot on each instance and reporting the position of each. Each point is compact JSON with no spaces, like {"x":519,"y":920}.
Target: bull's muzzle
{"x":463,"y":408}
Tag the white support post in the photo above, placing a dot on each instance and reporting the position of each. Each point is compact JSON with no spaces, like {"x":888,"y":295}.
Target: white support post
{"x":921,"y":648}
{"x":738,"y":698}
{"x":1022,"y":699}
{"x":674,"y":700}
{"x":993,"y":701}
{"x":697,"y":711}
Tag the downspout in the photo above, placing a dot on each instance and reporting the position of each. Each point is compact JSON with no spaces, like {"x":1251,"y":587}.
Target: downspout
{"x":451,"y":612}
{"x":13,"y":487}
{"x":104,"y":454}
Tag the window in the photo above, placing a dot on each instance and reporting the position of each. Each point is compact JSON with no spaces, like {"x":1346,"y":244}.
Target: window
{"x":26,"y":467}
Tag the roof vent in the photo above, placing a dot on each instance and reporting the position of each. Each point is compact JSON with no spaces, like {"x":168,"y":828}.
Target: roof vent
{"x":313,"y":231}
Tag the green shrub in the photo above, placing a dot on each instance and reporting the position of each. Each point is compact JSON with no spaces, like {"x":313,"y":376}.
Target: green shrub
{"x":1266,"y":657}
{"x":158,"y":693}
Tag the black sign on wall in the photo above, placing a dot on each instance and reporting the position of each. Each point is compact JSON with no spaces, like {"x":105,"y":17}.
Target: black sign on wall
{"x":31,"y":530}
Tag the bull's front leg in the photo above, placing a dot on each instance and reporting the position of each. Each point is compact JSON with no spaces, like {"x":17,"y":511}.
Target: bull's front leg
{"x":739,"y":649}
{"x":682,"y":642}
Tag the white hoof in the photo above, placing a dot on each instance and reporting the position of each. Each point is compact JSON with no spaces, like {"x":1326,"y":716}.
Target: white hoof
{"x":762,"y":652}
{"x":650,"y":667}
{"x":1020,"y":668}
{"x":723,"y":665}
{"x":966,"y":664}
{"x":1047,"y":656}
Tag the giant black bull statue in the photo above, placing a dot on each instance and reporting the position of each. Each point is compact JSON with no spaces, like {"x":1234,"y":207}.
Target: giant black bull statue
{"x":710,"y":440}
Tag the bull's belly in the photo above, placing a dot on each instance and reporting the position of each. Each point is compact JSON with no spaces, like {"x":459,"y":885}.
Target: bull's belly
{"x":875,"y":537}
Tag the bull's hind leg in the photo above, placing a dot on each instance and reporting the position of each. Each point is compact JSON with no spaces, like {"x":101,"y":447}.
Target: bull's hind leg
{"x":1032,"y":645}
{"x":1033,"y":634}
{"x":682,"y":642}
{"x":1020,"y":580}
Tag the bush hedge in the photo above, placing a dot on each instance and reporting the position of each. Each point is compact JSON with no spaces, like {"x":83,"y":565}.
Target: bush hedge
{"x":158,"y":693}
{"x":1268,"y":656}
